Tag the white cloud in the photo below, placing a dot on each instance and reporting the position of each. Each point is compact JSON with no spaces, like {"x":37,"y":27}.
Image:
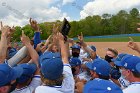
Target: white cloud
{"x":13,"y":21}
{"x":50,"y":14}
{"x":67,"y":1}
{"x":99,"y":7}
{"x":17,"y":12}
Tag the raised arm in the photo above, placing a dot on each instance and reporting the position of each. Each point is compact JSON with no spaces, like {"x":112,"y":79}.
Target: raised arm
{"x":63,"y":48}
{"x":26,"y":41}
{"x":86,"y":48}
{"x":3,"y":43}
{"x":131,"y":44}
{"x":35,"y":26}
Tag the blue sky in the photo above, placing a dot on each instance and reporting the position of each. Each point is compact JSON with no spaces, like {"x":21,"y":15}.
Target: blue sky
{"x":73,"y":9}
{"x":18,"y":12}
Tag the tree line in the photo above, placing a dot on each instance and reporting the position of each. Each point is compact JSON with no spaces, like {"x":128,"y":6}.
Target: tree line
{"x":121,"y":23}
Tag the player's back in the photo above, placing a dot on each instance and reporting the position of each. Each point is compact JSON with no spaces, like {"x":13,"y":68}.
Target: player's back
{"x":133,"y":88}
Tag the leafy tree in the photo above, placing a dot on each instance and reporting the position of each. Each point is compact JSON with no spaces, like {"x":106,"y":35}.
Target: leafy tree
{"x":121,"y":23}
{"x":134,"y":13}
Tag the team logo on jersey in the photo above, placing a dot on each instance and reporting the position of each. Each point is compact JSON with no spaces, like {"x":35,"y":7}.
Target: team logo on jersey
{"x":125,"y":65}
{"x":94,"y":68}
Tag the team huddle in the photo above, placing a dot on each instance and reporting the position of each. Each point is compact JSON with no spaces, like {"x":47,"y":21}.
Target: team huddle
{"x":61,"y":65}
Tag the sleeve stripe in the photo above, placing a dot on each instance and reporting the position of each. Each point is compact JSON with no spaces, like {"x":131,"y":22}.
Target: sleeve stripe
{"x":37,"y":76}
{"x":67,"y":65}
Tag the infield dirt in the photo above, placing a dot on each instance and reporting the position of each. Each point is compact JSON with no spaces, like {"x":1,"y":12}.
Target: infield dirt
{"x":120,"y":46}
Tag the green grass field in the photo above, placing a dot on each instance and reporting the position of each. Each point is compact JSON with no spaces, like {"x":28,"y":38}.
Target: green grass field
{"x":119,"y":39}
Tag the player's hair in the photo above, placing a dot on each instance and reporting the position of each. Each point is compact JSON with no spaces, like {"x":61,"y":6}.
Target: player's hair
{"x":114,"y":51}
{"x":48,"y":82}
{"x":74,"y":69}
{"x":103,"y":77}
{"x":25,"y":83}
{"x":136,"y":74}
{"x":75,"y":49}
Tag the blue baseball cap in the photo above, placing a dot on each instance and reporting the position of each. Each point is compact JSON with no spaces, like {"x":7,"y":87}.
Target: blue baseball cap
{"x":75,"y":46}
{"x":48,"y":55}
{"x":7,"y":74}
{"x":117,"y":61}
{"x":74,"y":61}
{"x":100,"y":66}
{"x":131,"y":62}
{"x":28,"y":72}
{"x":138,"y":67}
{"x":12,"y":54}
{"x":93,"y":48}
{"x":101,"y":86}
{"x":115,"y":73}
{"x":51,"y":65}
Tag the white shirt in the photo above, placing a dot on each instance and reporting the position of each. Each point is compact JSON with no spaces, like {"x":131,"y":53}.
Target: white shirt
{"x":124,"y":83}
{"x":67,"y":84}
{"x":83,"y":54}
{"x":84,"y":75}
{"x":133,"y":88}
{"x":33,"y":85}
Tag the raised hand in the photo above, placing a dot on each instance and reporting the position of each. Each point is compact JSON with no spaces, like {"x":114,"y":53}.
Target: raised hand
{"x":12,"y":30}
{"x":5,"y":29}
{"x":80,"y":37}
{"x":79,"y":87}
{"x":34,"y":25}
{"x":55,"y":29}
{"x":131,"y":44}
{"x":25,"y":39}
